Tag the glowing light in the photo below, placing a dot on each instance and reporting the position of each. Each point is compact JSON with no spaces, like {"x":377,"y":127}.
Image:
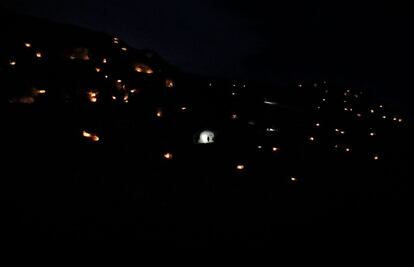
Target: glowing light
{"x":376,"y":157}
{"x":275,"y":149}
{"x":372,"y":134}
{"x":384,"y":117}
{"x":126,"y":98}
{"x":342,"y":132}
{"x":104,"y":61}
{"x":149,"y":71}
{"x":293,"y":179}
{"x":28,"y":45}
{"x":113,"y":97}
{"x":400,"y":120}
{"x":315,"y":85}
{"x":359,"y":115}
{"x":169,"y":83}
{"x":90,"y":136}
{"x":234,"y":85}
{"x":372,"y":111}
{"x":92,"y":96}
{"x":348,"y":150}
{"x":323,"y":99}
{"x":12,"y":63}
{"x":119,"y":81}
{"x":106,"y":76}
{"x":317,"y":124}
{"x":337,"y":130}
{"x":270,"y":103}
{"x":270,"y":130}
{"x":210,"y":84}
{"x":38,"y":54}
{"x":39,"y":91}
{"x":395,"y":119}
{"x":381,"y":106}
{"x":124,"y":49}
{"x":183,"y":108}
{"x":160,"y":114}
{"x":116,"y":42}
{"x":300,"y":85}
{"x":318,"y":107}
{"x":234,"y":116}
{"x":206,"y":137}
{"x":233,"y":94}
{"x":311,"y":139}
{"x":240,"y":167}
{"x":168,"y":156}
{"x":346,"y":109}
{"x":98,"y":70}
{"x":133,"y":91}
{"x":244,"y":86}
{"x":259,"y":147}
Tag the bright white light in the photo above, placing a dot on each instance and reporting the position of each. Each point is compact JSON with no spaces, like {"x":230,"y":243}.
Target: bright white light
{"x":206,"y":137}
{"x":271,"y":103}
{"x":270,"y":130}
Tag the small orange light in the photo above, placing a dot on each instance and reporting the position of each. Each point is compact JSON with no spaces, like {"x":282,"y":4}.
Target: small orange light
{"x":98,"y":70}
{"x":150,"y":71}
{"x":169,"y":83}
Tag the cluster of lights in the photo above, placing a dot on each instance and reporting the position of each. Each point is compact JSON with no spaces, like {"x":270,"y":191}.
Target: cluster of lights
{"x":90,"y":136}
{"x":92,"y":96}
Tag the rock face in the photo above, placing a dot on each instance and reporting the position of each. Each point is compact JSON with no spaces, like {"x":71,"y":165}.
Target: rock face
{"x":98,"y":129}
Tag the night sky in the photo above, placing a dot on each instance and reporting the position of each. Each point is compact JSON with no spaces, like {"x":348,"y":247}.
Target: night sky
{"x":272,"y":41}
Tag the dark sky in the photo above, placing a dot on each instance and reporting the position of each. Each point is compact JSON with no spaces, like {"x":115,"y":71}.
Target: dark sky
{"x":367,"y":42}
